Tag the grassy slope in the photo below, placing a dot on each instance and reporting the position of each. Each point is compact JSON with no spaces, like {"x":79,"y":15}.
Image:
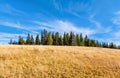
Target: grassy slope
{"x":58,"y":62}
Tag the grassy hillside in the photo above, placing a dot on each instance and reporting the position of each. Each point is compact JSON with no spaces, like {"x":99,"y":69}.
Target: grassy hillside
{"x":58,"y":62}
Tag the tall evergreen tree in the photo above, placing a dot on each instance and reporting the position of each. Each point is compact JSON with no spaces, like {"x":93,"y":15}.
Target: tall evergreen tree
{"x":81,"y":40}
{"x":53,"y":37}
{"x":28,"y":39}
{"x":49,"y":39}
{"x":74,"y":42}
{"x":112,"y":45}
{"x":86,"y":41}
{"x":20,"y":40}
{"x":71,"y":37}
{"x":32,"y":40}
{"x":77,"y":40}
{"x":44,"y":36}
{"x":66,"y":39}
{"x":60,"y":40}
{"x":11,"y":42}
{"x":105,"y":45}
{"x":37,"y":41}
{"x":56,"y":38}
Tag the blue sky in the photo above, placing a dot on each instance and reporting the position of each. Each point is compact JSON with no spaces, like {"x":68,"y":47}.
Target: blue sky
{"x":99,"y":19}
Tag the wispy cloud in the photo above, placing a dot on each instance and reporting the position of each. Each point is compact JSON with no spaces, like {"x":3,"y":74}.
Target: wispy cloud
{"x":7,"y":8}
{"x":116,"y":18}
{"x":97,"y":24}
{"x":5,"y":37}
{"x":63,"y":26}
{"x":18,"y":25}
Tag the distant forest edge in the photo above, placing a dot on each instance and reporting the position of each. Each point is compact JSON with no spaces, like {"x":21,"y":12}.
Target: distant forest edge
{"x":68,"y":39}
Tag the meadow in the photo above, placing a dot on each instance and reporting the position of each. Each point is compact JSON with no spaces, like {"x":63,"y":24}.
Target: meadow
{"x":25,"y":61}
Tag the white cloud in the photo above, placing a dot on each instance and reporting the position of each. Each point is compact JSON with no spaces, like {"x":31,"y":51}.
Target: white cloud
{"x":116,"y":18}
{"x":11,"y":24}
{"x":117,"y":34}
{"x":5,"y":37}
{"x":18,"y":25}
{"x":97,"y":24}
{"x":63,"y":26}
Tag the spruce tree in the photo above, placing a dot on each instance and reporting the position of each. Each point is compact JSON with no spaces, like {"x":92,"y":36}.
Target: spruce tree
{"x":60,"y":40}
{"x":11,"y":42}
{"x":64,"y":39}
{"x":86,"y":41}
{"x":67,"y":39}
{"x":81,"y":40}
{"x":49,"y":39}
{"x":56,"y":38}
{"x":44,"y":36}
{"x":20,"y":40}
{"x":37,"y":41}
{"x":77,"y":40}
{"x":70,"y":39}
{"x":112,"y":45}
{"x":32,"y":40}
{"x":53,"y":37}
{"x":28,"y":39}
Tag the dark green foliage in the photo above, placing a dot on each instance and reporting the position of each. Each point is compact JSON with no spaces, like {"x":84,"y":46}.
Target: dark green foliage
{"x":112,"y":45}
{"x":60,"y":40}
{"x":53,"y":37}
{"x":81,"y":40}
{"x":66,"y":39}
{"x":86,"y":41}
{"x":28,"y":40}
{"x":69,"y":39}
{"x":44,"y":36}
{"x":78,"y":39}
{"x":32,"y":40}
{"x":49,"y":39}
{"x":11,"y":42}
{"x":105,"y":45}
{"x":56,"y":38}
{"x":20,"y":40}
{"x":37,"y":41}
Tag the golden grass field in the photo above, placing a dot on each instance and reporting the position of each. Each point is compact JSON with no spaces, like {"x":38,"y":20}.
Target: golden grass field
{"x":58,"y":62}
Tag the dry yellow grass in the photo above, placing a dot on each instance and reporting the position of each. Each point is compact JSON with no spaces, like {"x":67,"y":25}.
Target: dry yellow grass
{"x":58,"y":62}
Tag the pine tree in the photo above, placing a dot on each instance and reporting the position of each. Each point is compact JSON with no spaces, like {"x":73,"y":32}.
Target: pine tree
{"x":11,"y":42}
{"x":44,"y":36}
{"x":66,"y":39}
{"x":60,"y":40}
{"x":112,"y":45}
{"x":37,"y":41}
{"x":70,"y":39}
{"x":53,"y":37}
{"x":105,"y":45}
{"x":86,"y":41}
{"x":56,"y":38}
{"x":28,"y":39}
{"x":49,"y":39}
{"x":32,"y":40}
{"x":81,"y":40}
{"x":77,"y":40}
{"x":20,"y":40}
{"x":74,"y":43}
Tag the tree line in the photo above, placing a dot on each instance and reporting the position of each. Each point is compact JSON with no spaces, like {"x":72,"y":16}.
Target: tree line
{"x":67,"y":39}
